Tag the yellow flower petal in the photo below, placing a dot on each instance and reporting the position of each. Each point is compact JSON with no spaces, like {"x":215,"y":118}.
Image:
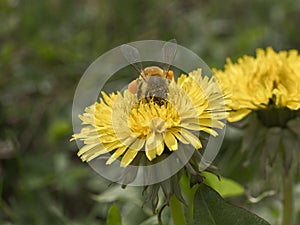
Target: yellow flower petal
{"x":160,"y":148}
{"x":87,"y":148}
{"x":128,"y":157}
{"x":171,"y":141}
{"x":154,"y":146}
{"x":177,"y":134}
{"x":192,"y":138}
{"x":238,"y":115}
{"x":270,"y":79}
{"x":125,"y":124}
{"x":116,"y":154}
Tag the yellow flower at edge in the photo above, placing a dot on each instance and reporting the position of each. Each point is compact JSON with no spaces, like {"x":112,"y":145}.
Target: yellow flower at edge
{"x":268,"y":80}
{"x":123,"y":125}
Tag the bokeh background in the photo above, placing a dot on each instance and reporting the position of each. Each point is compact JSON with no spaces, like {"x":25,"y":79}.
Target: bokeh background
{"x":45,"y":47}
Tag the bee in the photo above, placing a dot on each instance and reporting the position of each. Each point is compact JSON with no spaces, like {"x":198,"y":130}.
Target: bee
{"x":153,"y":81}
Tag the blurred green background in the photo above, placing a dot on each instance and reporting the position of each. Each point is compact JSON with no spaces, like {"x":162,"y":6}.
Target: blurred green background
{"x":45,"y":47}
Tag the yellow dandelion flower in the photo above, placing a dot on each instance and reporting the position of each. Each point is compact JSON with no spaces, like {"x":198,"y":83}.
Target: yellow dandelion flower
{"x":269,"y":80}
{"x":124,"y":126}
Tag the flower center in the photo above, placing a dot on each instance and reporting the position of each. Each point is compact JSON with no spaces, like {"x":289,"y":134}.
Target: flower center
{"x":157,"y":125}
{"x":276,"y":117}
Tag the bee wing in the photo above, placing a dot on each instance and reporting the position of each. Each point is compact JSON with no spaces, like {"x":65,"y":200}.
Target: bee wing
{"x":168,"y":52}
{"x":132,"y":55}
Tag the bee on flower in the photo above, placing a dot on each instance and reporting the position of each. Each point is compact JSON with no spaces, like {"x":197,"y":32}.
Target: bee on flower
{"x":153,"y":117}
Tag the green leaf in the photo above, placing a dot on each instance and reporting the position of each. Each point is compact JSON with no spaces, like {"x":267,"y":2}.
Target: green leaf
{"x":114,"y":217}
{"x":225,"y":187}
{"x":211,"y":209}
{"x":177,"y":211}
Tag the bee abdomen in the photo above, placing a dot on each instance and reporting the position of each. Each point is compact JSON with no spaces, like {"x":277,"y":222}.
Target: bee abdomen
{"x":161,"y":92}
{"x":155,"y":88}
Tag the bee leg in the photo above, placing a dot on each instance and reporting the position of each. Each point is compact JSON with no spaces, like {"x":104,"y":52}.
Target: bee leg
{"x":139,"y":89}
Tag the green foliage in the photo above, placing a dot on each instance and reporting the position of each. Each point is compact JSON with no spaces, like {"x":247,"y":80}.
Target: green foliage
{"x":177,"y":211}
{"x":224,"y":186}
{"x":211,"y":209}
{"x":131,"y":201}
{"x":114,"y":217}
{"x":59,"y":129}
{"x":45,"y":48}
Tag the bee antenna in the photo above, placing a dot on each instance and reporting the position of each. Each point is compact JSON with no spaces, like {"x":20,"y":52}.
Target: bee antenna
{"x":143,"y":75}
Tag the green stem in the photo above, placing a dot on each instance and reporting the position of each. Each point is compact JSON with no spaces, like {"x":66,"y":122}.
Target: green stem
{"x":177,"y":211}
{"x":287,"y":198}
{"x":159,"y":216}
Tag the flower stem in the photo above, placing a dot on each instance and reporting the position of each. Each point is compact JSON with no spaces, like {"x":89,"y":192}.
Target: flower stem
{"x":160,"y":214}
{"x":287,"y":198}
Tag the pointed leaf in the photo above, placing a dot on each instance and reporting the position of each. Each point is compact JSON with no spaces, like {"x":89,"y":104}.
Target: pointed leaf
{"x":211,"y":209}
{"x":114,"y":217}
{"x":225,"y":187}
